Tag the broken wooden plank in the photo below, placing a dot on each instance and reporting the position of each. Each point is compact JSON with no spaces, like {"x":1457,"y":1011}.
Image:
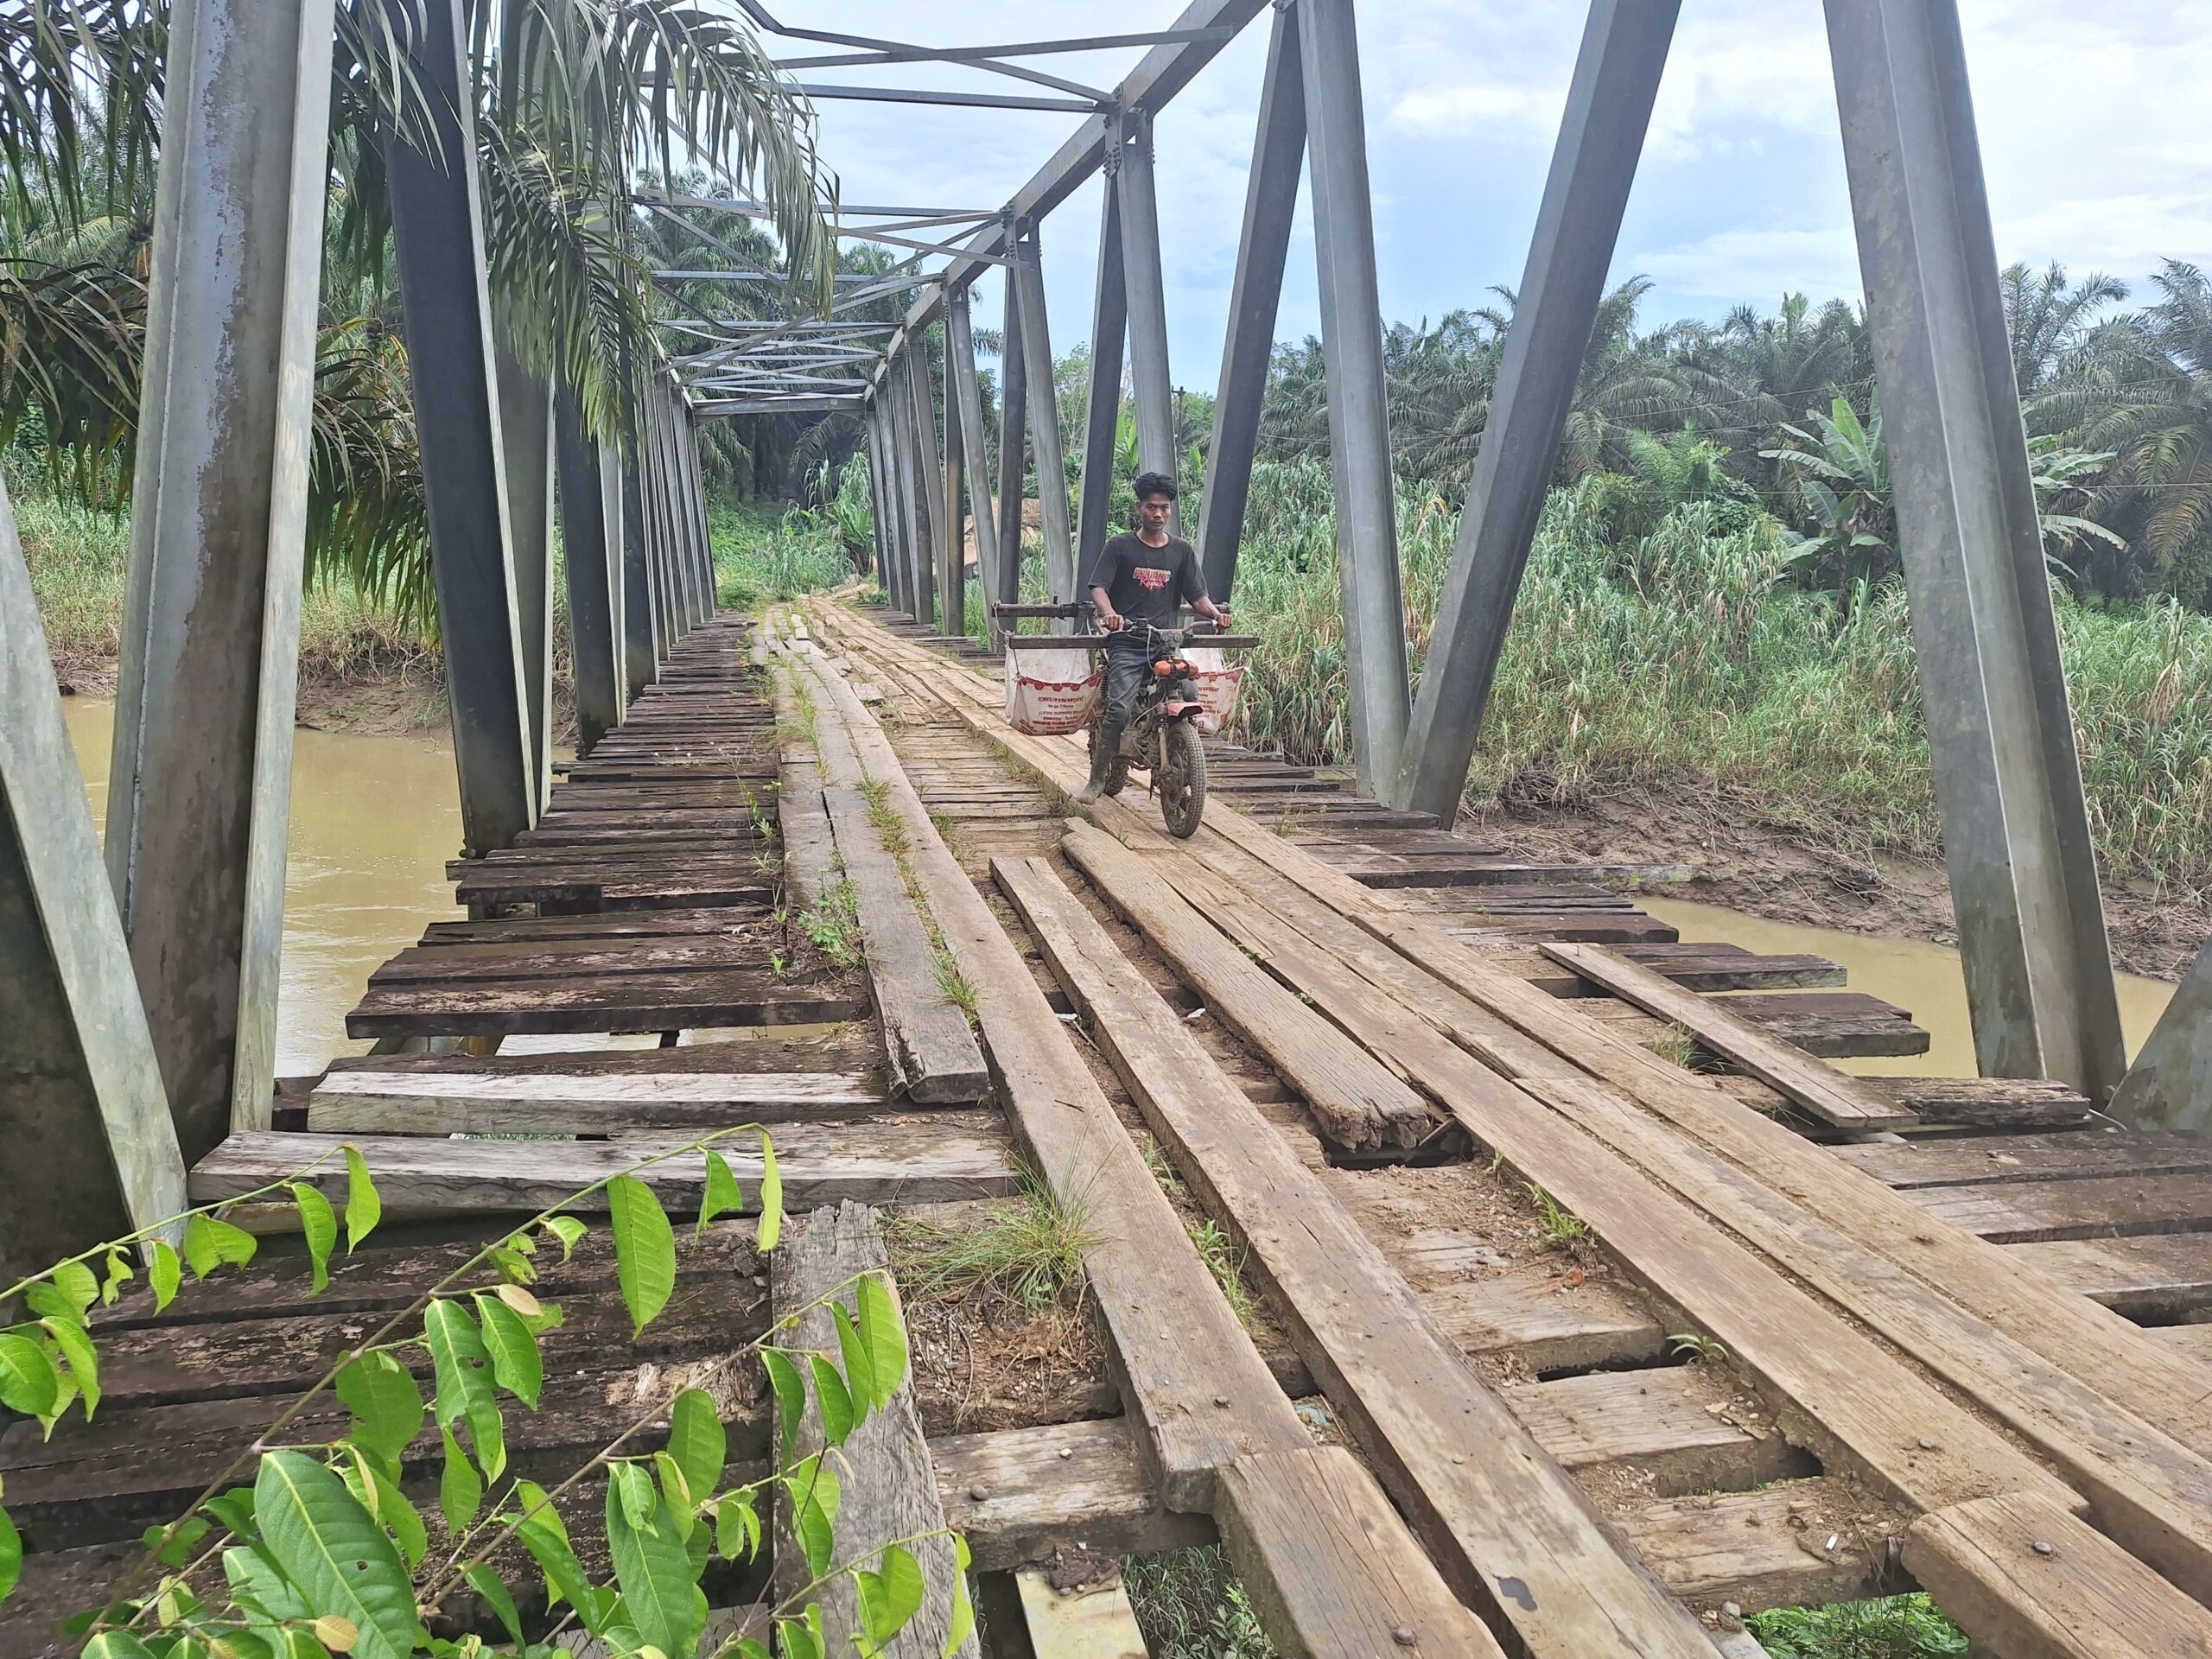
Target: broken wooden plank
{"x":409,"y":1103}
{"x":949,"y":1155}
{"x":1091,"y":1621}
{"x":889,"y":1492}
{"x":1356,"y":1100}
{"x":1831,"y":1095}
{"x":2111,"y":1207}
{"x":1020,"y":1494}
{"x":1668,"y":1423}
{"x":1504,"y":1510}
{"x":2025,"y":1579}
{"x":2158,"y":1277}
{"x":1761,"y":1549}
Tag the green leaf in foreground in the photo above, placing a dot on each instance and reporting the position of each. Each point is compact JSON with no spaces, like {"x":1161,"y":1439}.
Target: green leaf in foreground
{"x":494,"y":1588}
{"x":461,"y":1494}
{"x":890,"y":1595}
{"x":336,"y":1554}
{"x":318,"y":1224}
{"x":28,"y":1383}
{"x":645,"y":1250}
{"x":860,"y":1374}
{"x":209,"y":1243}
{"x":517,"y":1365}
{"x":11,"y":1556}
{"x":723,"y":1195}
{"x":387,"y":1404}
{"x":654,"y":1570}
{"x":697,"y":1441}
{"x":364,"y":1205}
{"x":116,"y":1645}
{"x":790,"y":1394}
{"x":772,"y":1197}
{"x":832,"y":1399}
{"x":164,"y":1272}
{"x":884,"y":1335}
{"x":463,"y":1372}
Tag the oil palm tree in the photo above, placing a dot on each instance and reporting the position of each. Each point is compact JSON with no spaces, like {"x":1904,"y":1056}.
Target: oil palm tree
{"x":572,"y":96}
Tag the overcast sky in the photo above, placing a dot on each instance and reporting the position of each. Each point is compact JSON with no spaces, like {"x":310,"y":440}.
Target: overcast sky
{"x":2096,"y":137}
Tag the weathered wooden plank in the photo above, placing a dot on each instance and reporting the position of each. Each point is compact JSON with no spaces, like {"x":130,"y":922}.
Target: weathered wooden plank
{"x":413,"y":1102}
{"x":618,"y":1002}
{"x":2030,"y":1581}
{"x":931,"y":1047}
{"x":889,"y":1484}
{"x":1091,"y":1623}
{"x":1504,"y":1510}
{"x":1991,"y":1101}
{"x":617,"y":924}
{"x":1021,"y":1495}
{"x":2160,"y":1276}
{"x":1330,"y":1565}
{"x":952,"y":1155}
{"x":2150,"y":1490}
{"x":1177,"y":1344}
{"x":1520,"y":1313}
{"x":1987,"y":1159}
{"x":2111,"y":1207}
{"x":1831,"y":1095}
{"x":1356,"y":1100}
{"x":1760,"y":1549}
{"x":747,"y":950}
{"x":1659,"y":1422}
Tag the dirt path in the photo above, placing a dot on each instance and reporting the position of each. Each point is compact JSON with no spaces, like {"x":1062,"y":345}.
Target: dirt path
{"x":1752,"y":864}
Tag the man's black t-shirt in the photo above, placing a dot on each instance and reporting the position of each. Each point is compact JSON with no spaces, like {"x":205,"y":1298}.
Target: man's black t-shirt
{"x":1148,"y":584}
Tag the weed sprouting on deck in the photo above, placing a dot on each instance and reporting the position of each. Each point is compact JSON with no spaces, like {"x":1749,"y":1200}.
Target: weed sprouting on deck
{"x":1558,"y":1227}
{"x":832,"y":926}
{"x":1190,"y":1605}
{"x":1027,"y":1253}
{"x":1676,"y":1047}
{"x":1888,"y":1627}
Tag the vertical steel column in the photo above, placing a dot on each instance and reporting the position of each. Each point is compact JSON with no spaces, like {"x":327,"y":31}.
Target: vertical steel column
{"x":591,"y":539}
{"x":200,"y":791}
{"x":640,"y":629}
{"x":1110,"y":328}
{"x":929,"y":477}
{"x":923,"y":503}
{"x":1042,"y":390}
{"x":878,"y":484}
{"x":695,"y":472}
{"x":1270,"y":203}
{"x":1013,"y":419}
{"x":526,"y":433}
{"x":1608,"y":108}
{"x":437,"y":233}
{"x":893,"y":426}
{"x":653,"y":477}
{"x":91,"y":1152}
{"x":952,"y":575}
{"x":968,"y":395}
{"x":1359,"y":417}
{"x":1152,"y":384}
{"x":2170,"y":1085}
{"x":2016,"y":828}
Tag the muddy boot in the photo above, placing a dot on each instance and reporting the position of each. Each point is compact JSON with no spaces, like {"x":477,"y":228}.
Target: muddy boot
{"x":1101,"y":767}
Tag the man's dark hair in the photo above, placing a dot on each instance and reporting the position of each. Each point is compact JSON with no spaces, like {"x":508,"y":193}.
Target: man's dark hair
{"x":1151,"y":484}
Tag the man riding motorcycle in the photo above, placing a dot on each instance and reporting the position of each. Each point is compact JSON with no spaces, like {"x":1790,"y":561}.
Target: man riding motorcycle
{"x":1141,"y":582}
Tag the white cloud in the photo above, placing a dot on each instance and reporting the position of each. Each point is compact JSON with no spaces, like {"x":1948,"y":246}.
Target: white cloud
{"x":1733,"y":264}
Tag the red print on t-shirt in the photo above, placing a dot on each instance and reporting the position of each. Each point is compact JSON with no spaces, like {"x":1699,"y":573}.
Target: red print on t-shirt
{"x":1147,"y":577}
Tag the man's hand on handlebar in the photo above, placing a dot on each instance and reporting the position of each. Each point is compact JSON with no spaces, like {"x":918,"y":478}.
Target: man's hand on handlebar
{"x":1112,"y":621}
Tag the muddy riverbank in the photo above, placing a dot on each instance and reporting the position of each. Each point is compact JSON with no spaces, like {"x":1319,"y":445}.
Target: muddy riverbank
{"x":1744,"y":861}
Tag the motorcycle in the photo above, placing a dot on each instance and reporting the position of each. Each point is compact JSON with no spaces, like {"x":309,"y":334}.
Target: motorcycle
{"x":1165,"y":733}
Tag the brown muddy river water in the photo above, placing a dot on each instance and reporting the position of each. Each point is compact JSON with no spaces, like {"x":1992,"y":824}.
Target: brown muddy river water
{"x":374,"y":819}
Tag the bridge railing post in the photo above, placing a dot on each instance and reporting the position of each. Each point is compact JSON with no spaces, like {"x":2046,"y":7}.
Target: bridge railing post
{"x":1359,"y":419}
{"x":1013,"y":433}
{"x":92,"y":1151}
{"x":2170,"y":1085}
{"x":438,"y":246}
{"x":1044,"y":411}
{"x":1109,"y":328}
{"x":918,"y":467}
{"x":1263,"y":251}
{"x":1152,"y":384}
{"x":640,"y":627}
{"x":695,"y":473}
{"x":1601,"y":135}
{"x":952,"y":575}
{"x":199,"y":783}
{"x":2008,"y":782}
{"x":591,"y":551}
{"x":526,"y":435}
{"x":967,"y":395}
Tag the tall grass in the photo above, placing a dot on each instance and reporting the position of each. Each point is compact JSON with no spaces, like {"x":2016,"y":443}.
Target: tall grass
{"x":760,"y":554}
{"x":79,"y":559}
{"x":1675,"y":658}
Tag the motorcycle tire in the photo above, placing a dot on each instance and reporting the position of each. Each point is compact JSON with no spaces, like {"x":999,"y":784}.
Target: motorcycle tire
{"x":1182,"y":780}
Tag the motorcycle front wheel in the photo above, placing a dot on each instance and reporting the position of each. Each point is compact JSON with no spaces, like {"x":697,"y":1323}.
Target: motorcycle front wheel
{"x":1182,"y":779}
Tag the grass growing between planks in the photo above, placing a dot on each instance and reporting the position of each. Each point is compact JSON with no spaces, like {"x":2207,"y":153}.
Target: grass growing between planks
{"x":1028,"y":1254}
{"x":1676,"y":657}
{"x":1190,"y":1605}
{"x":1889,"y":1627}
